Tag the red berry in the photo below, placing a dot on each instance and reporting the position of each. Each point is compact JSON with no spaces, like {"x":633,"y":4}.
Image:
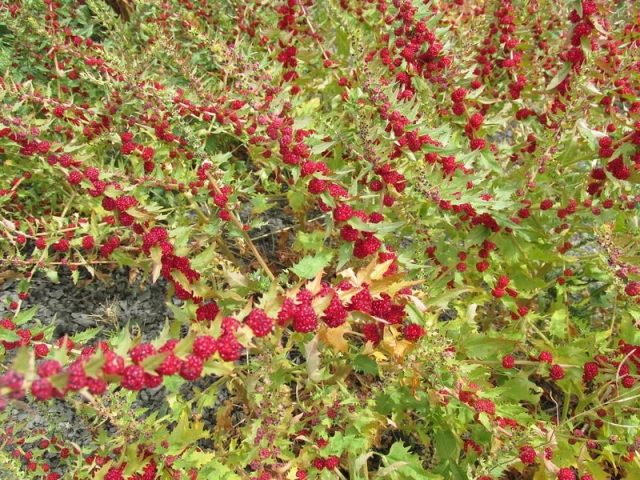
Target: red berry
{"x":61,"y":245}
{"x":349,"y":234}
{"x":317,"y":186}
{"x":483,"y":405}
{"x":591,"y":371}
{"x":372,"y":332}
{"x":556,"y":372}
{"x":343,"y":212}
{"x":332,"y":462}
{"x":305,"y":319}
{"x":259,"y":322}
{"x":88,"y":242}
{"x":207,"y":311}
{"x":545,"y":357}
{"x":41,"y":389}
{"x":133,"y":378}
{"x":475,"y":121}
{"x":335,"y":314}
{"x":229,"y":348}
{"x":546,"y":204}
{"x":96,"y":386}
{"x":527,"y":455}
{"x":413,"y":332}
{"x":142,"y":351}
{"x":204,"y":346}
{"x":113,"y":364}
{"x":362,"y":301}
{"x":498,"y":292}
{"x":170,"y":365}
{"x":566,"y":474}
{"x":49,"y":368}
{"x":75,"y":177}
{"x":191,"y":368}
{"x":114,"y":474}
{"x":632,"y":289}
{"x":458,"y":95}
{"x":364,"y":247}
{"x":77,"y":378}
{"x":152,"y":381}
{"x":482,"y":266}
{"x":589,"y":7}
{"x":508,"y":361}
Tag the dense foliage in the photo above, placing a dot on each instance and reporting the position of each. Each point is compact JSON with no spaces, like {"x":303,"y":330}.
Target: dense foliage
{"x":402,"y":236}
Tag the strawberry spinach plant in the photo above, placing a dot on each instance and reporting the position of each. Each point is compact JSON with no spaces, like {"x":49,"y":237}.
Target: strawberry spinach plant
{"x":399,"y":238}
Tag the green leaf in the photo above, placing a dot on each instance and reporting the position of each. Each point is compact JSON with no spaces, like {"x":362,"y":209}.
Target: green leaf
{"x":24,"y":361}
{"x":93,"y":366}
{"x":153,"y":361}
{"x":309,"y":241}
{"x":559,"y":324}
{"x":401,"y":464}
{"x":296,"y":199}
{"x":321,"y":147}
{"x":8,"y":335}
{"x":343,"y":45}
{"x":517,"y":389}
{"x":365,"y":364}
{"x":25,"y":315}
{"x":483,"y":347}
{"x":185,"y":433}
{"x":310,"y":266}
{"x":559,"y":77}
{"x":86,"y":335}
{"x":215,"y":470}
{"x":121,"y":342}
{"x":204,"y":258}
{"x":446,"y":445}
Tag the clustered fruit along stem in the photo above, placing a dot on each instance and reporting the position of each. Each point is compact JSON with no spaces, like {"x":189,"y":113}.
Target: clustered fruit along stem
{"x":495,"y":66}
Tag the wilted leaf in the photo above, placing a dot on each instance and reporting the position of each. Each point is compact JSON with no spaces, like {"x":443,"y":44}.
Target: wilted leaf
{"x":334,"y":337}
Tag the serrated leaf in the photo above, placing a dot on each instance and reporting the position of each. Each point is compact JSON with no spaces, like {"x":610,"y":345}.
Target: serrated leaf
{"x":24,"y":361}
{"x":93,"y":366}
{"x":297,"y":199}
{"x":86,"y":335}
{"x":559,"y":324}
{"x":8,"y":335}
{"x":184,"y":346}
{"x":311,"y":265}
{"x":181,"y":279}
{"x":334,"y":337}
{"x":25,"y":315}
{"x":122,"y":341}
{"x":365,"y":364}
{"x":401,"y":464}
{"x":204,"y":258}
{"x":152,"y":362}
{"x":185,"y":433}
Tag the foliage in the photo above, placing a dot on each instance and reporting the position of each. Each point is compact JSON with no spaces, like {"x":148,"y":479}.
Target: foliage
{"x":400,"y":238}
